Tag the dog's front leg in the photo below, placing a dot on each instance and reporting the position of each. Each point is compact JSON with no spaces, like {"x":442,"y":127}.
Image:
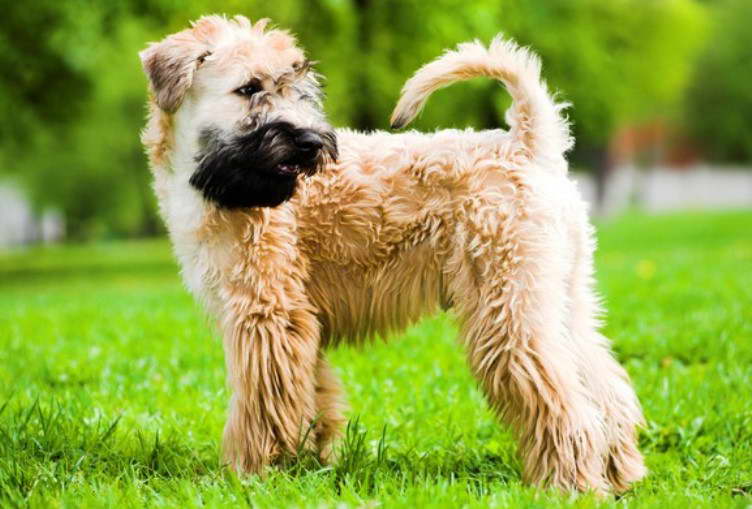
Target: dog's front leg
{"x":271,"y":354}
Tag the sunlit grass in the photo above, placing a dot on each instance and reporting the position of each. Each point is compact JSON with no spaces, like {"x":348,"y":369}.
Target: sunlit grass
{"x":112,"y":392}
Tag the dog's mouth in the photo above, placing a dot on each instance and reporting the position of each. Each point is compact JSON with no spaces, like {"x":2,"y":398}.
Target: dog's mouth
{"x":303,"y":164}
{"x":294,"y":168}
{"x":287,"y":169}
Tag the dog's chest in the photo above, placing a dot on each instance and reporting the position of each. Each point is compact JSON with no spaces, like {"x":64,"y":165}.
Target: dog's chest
{"x":200,"y":255}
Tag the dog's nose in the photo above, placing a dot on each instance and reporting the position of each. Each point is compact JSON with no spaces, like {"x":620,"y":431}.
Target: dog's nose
{"x":309,"y":141}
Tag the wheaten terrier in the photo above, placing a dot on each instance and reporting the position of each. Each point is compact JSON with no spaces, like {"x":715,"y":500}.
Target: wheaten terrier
{"x":297,"y":236}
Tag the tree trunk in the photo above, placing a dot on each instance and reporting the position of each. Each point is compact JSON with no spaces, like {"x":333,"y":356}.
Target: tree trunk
{"x":364,"y":118}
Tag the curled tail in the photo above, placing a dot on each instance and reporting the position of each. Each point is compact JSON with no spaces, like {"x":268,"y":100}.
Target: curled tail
{"x":536,"y":123}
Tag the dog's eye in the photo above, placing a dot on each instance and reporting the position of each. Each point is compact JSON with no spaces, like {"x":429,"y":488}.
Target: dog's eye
{"x":249,"y":89}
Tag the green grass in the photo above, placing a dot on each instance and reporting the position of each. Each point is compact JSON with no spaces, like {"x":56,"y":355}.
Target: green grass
{"x":112,"y":386}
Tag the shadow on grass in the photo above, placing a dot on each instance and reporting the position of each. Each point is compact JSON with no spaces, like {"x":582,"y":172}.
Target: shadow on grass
{"x":363,"y":460}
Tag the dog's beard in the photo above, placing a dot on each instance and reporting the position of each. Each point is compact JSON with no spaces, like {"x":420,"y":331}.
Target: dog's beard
{"x":259,"y":168}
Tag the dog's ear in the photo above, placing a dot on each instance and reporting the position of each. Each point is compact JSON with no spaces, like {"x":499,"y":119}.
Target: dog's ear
{"x":170,"y":65}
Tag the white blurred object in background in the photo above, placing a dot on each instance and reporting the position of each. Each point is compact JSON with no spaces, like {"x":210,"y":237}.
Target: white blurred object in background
{"x":666,"y":189}
{"x":19,"y":224}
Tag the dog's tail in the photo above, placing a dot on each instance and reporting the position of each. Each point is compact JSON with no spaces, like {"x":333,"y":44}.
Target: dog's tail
{"x":536,"y":123}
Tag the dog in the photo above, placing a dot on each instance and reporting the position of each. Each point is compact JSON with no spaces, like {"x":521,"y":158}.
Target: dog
{"x":297,"y":236}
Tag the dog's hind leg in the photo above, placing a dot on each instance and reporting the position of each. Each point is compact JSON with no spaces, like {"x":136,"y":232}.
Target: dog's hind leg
{"x":508,"y":285}
{"x":330,"y":405}
{"x":607,"y":379}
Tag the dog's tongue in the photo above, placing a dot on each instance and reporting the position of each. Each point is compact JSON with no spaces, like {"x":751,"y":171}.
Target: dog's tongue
{"x":287,"y":169}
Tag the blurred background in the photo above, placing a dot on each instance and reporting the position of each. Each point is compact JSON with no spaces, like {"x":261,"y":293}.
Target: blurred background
{"x":661,"y":94}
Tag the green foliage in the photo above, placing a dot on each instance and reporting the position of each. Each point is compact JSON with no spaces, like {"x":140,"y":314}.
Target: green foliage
{"x":719,"y":102}
{"x":617,"y":62}
{"x":111,"y":394}
{"x":37,"y":69}
{"x":77,"y":103}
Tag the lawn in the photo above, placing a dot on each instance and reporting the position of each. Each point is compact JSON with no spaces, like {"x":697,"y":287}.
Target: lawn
{"x":112,"y":386}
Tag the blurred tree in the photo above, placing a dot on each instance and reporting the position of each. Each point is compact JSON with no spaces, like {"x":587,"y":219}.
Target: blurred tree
{"x":396,"y":37}
{"x":719,"y":101}
{"x":40,"y":84}
{"x":77,"y":148}
{"x":617,"y":62}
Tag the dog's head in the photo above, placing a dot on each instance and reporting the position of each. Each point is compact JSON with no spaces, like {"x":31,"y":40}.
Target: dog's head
{"x":246,"y":110}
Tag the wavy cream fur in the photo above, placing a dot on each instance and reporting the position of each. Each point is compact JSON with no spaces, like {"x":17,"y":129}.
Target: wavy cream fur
{"x":536,"y":124}
{"x":486,"y":224}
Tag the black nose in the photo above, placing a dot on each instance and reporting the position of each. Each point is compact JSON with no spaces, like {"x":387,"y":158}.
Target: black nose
{"x":309,"y":141}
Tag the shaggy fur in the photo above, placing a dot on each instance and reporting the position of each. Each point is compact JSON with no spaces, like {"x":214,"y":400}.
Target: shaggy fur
{"x":484,"y":223}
